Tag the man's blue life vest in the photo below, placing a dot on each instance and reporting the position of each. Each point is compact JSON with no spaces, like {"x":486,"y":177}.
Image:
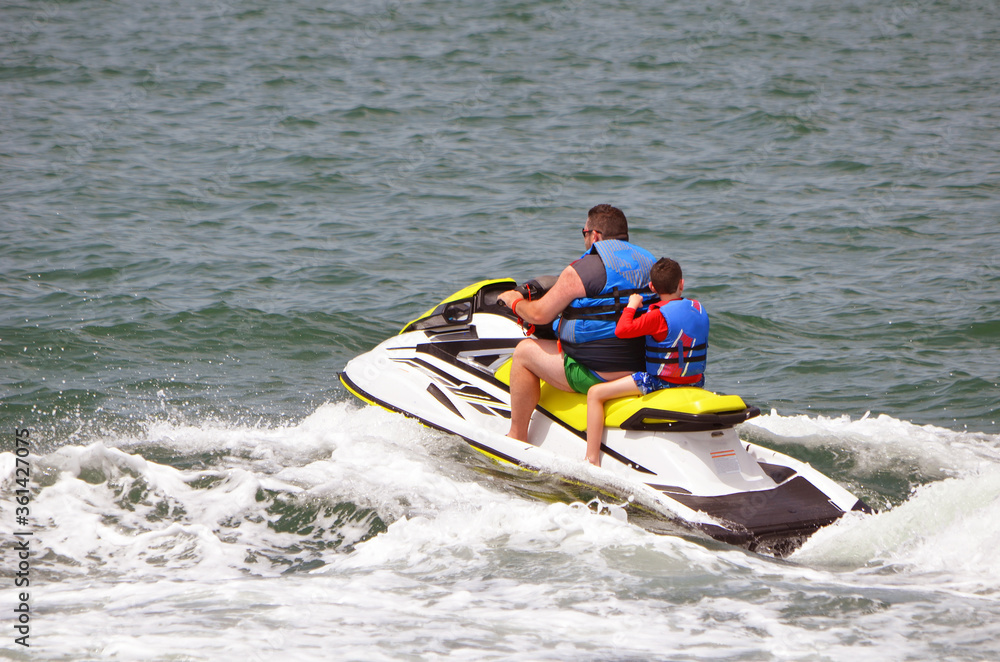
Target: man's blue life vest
{"x":682,"y":356}
{"x":594,"y":318}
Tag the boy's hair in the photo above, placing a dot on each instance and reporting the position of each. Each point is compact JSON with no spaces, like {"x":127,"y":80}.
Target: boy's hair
{"x":609,"y":220}
{"x":666,"y":275}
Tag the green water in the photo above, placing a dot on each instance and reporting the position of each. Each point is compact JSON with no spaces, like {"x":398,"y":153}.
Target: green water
{"x":207,"y":209}
{"x":206,"y":212}
{"x":211,"y":209}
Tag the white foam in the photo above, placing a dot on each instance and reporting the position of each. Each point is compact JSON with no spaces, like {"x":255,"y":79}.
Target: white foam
{"x":950,"y":528}
{"x":468,"y":572}
{"x":463,"y":562}
{"x":883,"y":443}
{"x":109,"y":512}
{"x":316,"y":436}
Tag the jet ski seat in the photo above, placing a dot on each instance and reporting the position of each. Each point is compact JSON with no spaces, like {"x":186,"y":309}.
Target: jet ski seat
{"x":684,"y":408}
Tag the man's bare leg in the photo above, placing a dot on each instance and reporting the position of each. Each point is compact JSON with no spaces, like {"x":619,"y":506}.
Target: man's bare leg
{"x":534,"y":360}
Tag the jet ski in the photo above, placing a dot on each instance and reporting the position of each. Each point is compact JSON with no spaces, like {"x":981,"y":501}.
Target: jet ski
{"x":450,"y":368}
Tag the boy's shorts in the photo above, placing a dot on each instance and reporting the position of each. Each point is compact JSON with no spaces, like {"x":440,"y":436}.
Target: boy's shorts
{"x":579,"y":377}
{"x":647,"y":383}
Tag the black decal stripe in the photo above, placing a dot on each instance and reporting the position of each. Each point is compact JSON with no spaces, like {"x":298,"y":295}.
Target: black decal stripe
{"x":457,"y":386}
{"x":433,"y":349}
{"x":470,"y":392}
{"x":361,"y":394}
{"x":501,"y":412}
{"x":669,"y":488}
{"x":451,"y":358}
{"x":486,"y":360}
{"x":482,"y":409}
{"x":456,"y":347}
{"x":443,"y":399}
{"x":441,"y":350}
{"x":420,"y":363}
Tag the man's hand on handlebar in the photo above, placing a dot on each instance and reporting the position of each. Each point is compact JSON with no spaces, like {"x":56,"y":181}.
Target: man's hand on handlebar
{"x":510,"y":297}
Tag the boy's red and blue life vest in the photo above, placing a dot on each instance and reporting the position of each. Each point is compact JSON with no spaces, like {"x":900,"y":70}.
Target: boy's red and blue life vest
{"x":594,"y":318}
{"x":682,"y":356}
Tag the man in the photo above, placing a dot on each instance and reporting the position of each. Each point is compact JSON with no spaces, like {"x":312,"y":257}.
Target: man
{"x":590,"y":294}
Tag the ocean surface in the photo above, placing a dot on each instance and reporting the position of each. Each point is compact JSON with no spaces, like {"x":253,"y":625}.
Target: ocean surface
{"x":208,"y":208}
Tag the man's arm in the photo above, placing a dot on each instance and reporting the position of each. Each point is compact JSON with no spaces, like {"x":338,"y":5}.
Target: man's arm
{"x":544,"y":310}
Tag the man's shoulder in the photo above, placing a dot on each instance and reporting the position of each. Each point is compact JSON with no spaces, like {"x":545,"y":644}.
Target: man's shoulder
{"x":620,"y":245}
{"x":591,"y":270}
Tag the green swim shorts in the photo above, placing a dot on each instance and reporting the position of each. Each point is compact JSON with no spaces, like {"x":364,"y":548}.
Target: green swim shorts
{"x":579,"y":376}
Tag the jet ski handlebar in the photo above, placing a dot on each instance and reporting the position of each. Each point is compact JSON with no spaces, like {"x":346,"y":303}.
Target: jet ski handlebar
{"x":532,"y":289}
{"x":536,"y":287}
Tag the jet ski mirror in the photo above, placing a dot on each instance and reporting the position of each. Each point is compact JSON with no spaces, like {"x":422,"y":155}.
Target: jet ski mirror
{"x":459,"y":312}
{"x":448,"y":316}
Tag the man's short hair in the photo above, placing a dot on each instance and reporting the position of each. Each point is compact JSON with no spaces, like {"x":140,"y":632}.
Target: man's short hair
{"x":666,"y":275}
{"x":609,"y":220}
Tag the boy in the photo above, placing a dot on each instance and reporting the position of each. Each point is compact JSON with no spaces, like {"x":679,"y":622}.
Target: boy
{"x":676,"y":331}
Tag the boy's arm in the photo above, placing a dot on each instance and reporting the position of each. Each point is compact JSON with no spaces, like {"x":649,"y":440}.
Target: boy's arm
{"x":630,"y":326}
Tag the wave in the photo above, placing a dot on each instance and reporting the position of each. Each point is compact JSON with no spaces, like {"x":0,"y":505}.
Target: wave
{"x":938,"y":491}
{"x":222,"y":500}
{"x":946,"y":532}
{"x":348,"y":488}
{"x":352,"y":512}
{"x":880,"y":457}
